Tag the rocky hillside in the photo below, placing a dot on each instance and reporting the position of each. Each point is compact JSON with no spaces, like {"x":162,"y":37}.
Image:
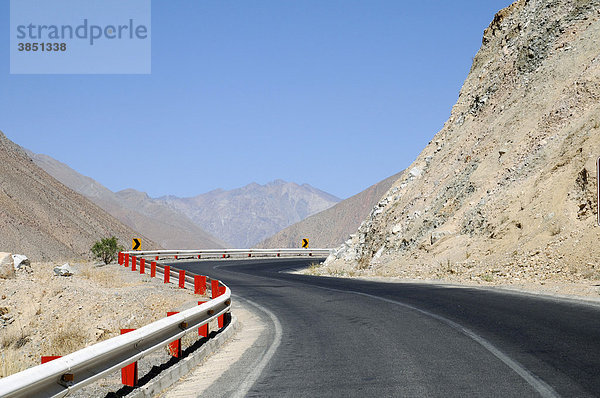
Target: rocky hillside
{"x":506,"y":190}
{"x":168,"y":228}
{"x":247,"y":215}
{"x":332,"y":227}
{"x":42,"y":218}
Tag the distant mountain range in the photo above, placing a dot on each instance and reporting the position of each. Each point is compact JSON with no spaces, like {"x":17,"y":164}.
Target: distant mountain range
{"x":45,"y":220}
{"x":247,"y":215}
{"x":333,"y":226}
{"x":236,"y":218}
{"x":135,"y":209}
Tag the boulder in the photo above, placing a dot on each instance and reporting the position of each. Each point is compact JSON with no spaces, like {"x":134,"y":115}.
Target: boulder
{"x":64,"y":270}
{"x":439,"y":235}
{"x":7,"y":269}
{"x":20,"y":261}
{"x":415,"y":172}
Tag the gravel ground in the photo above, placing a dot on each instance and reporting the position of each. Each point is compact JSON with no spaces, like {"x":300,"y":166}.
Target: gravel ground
{"x":44,"y":314}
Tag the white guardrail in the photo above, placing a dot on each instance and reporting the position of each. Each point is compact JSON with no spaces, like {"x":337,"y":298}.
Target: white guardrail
{"x":66,"y":374}
{"x":209,"y":253}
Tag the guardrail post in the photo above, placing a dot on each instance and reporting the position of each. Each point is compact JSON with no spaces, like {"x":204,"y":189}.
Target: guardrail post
{"x":133,"y":261}
{"x":167,"y":274}
{"x":143,"y":266}
{"x":216,"y":291}
{"x":120,"y":258}
{"x":175,"y":347}
{"x":182,"y":279}
{"x":203,"y":330}
{"x":214,"y":288}
{"x":127,"y":259}
{"x":199,"y":284}
{"x":129,"y":373}
{"x":153,"y":269}
{"x":48,"y":358}
{"x":226,"y":319}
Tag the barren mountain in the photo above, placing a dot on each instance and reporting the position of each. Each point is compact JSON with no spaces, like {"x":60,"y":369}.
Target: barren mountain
{"x":505,"y":191}
{"x":247,"y":215}
{"x":168,"y":228}
{"x":42,"y":218}
{"x":332,"y":227}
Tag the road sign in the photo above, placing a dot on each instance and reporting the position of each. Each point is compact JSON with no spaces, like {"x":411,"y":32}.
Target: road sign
{"x":136,"y":244}
{"x":305,"y":243}
{"x":598,"y":188}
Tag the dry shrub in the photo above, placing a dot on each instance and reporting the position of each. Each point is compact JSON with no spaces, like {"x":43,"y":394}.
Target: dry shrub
{"x":364,"y":263}
{"x":13,"y":337}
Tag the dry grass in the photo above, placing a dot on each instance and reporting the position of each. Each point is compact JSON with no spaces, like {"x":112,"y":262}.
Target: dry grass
{"x":64,"y":341}
{"x":15,"y":338}
{"x":314,"y":269}
{"x":11,"y":362}
{"x":102,"y":276}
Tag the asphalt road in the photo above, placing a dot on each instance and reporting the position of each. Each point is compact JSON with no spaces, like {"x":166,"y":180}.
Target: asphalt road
{"x":332,"y":337}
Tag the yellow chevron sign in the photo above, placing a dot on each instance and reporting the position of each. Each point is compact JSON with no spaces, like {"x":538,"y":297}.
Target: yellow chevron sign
{"x":136,"y":244}
{"x":305,"y":243}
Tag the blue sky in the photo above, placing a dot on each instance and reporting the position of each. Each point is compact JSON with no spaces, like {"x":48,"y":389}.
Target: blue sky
{"x":337,"y":94}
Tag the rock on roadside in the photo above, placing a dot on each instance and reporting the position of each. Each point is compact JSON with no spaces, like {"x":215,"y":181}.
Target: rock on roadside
{"x":20,"y":261}
{"x":7,"y":270}
{"x":64,"y":270}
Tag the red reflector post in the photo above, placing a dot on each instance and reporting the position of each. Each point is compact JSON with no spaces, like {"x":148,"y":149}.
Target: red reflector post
{"x":167,"y":272}
{"x":214,"y":288}
{"x":129,"y":373}
{"x":203,"y":330}
{"x":182,"y":279}
{"x":199,"y":284}
{"x":175,"y":347}
{"x":48,"y":358}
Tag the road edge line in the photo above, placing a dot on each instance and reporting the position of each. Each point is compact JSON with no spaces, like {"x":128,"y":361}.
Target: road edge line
{"x":253,"y":376}
{"x":534,"y":381}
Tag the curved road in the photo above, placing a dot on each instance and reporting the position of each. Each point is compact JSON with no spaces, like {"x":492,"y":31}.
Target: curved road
{"x":354,"y":338}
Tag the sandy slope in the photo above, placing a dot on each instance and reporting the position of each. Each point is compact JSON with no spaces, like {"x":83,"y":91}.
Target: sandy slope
{"x":43,"y":219}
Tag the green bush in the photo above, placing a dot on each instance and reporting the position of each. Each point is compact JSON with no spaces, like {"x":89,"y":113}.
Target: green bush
{"x":107,"y":249}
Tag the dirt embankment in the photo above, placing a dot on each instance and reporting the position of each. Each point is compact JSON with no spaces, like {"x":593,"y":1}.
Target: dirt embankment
{"x":44,"y":314}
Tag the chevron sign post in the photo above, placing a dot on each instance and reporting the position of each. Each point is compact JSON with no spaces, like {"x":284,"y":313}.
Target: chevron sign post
{"x":136,"y":244}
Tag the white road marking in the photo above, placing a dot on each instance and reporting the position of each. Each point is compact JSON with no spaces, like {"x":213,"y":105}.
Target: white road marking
{"x":538,"y":384}
{"x":251,"y":378}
